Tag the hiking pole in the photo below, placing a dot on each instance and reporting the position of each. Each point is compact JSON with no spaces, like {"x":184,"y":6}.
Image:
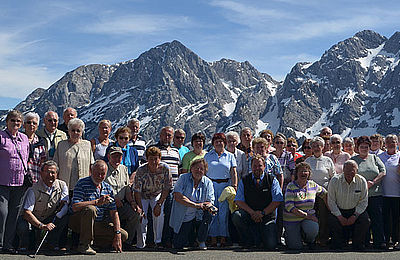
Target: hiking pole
{"x":44,"y":238}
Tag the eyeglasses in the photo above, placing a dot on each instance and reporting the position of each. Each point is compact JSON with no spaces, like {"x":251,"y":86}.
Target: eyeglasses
{"x":52,"y":120}
{"x":291,"y":145}
{"x":75,"y":130}
{"x":336,"y":142}
{"x":15,"y":120}
{"x":31,"y":122}
{"x":123,"y":138}
{"x":180,"y":137}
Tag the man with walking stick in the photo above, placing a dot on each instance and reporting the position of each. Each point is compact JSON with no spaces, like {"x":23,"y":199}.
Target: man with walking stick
{"x":45,"y":208}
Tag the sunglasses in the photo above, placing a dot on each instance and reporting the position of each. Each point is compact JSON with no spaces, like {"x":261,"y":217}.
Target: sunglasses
{"x":16,"y":120}
{"x":52,"y":120}
{"x":123,"y":138}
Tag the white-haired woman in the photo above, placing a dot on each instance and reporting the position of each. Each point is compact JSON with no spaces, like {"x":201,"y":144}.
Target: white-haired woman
{"x":336,"y":154}
{"x":349,"y":146}
{"x":323,"y":170}
{"x":37,"y":149}
{"x":100,"y":144}
{"x":74,"y":155}
{"x":242,"y":168}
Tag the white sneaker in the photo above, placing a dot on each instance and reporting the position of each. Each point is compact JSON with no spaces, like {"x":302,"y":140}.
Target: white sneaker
{"x":202,"y":246}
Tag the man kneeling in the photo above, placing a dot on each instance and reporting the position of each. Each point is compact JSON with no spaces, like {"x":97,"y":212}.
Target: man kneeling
{"x":93,"y":205}
{"x":258,"y":196}
{"x":45,"y":208}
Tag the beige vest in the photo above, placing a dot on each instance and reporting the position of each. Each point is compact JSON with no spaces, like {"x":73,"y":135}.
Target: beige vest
{"x":46,"y":204}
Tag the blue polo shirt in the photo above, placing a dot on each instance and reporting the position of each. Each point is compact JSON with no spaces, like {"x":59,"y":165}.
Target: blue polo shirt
{"x":219,"y":167}
{"x":276,"y":191}
{"x":86,"y":190}
{"x":185,"y":186}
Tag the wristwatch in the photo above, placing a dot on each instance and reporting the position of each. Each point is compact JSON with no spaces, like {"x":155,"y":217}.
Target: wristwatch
{"x":117,"y":231}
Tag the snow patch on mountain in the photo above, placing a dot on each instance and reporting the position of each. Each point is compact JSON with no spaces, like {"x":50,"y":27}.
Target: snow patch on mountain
{"x":365,"y":62}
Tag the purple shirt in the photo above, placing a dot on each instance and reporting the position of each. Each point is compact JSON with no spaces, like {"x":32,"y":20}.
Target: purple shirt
{"x":12,"y":170}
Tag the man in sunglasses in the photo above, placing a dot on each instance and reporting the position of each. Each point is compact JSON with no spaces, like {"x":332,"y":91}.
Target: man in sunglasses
{"x":51,"y":134}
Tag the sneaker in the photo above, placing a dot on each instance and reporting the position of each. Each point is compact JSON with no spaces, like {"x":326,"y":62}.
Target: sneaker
{"x":396,"y":246}
{"x":202,"y":246}
{"x":86,"y":250}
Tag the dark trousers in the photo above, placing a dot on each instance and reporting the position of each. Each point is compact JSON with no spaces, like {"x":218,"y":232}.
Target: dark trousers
{"x":375,"y":213}
{"x":167,"y":230}
{"x":54,"y":237}
{"x":358,"y":229}
{"x":196,"y":228}
{"x":10,"y":203}
{"x":323,"y":215}
{"x":252,"y":233}
{"x":391,"y":218}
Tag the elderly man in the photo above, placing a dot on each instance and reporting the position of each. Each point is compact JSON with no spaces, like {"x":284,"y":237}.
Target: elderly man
{"x":118,"y":178}
{"x":179,"y":140}
{"x":258,"y":196}
{"x":68,"y":114}
{"x":93,"y":205}
{"x":136,"y":140}
{"x":348,"y":201}
{"x":170,"y":156}
{"x":51,"y":134}
{"x":45,"y":208}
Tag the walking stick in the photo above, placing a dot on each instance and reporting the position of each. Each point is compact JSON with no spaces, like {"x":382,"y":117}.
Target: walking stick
{"x":44,"y":238}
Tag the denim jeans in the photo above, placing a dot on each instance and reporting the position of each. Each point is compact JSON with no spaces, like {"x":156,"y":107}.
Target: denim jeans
{"x":199,"y":227}
{"x":252,"y":233}
{"x":294,"y":232}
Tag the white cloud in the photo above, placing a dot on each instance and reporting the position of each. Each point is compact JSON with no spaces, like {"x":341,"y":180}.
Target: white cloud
{"x":138,"y":24}
{"x":19,"y":80}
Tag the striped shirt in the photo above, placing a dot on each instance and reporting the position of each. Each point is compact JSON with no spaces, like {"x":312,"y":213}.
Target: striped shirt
{"x":170,"y":156}
{"x":86,"y":190}
{"x":140,"y":147}
{"x":302,"y":199}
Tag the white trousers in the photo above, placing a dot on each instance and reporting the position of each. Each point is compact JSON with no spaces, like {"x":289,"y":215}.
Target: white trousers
{"x":158,"y":223}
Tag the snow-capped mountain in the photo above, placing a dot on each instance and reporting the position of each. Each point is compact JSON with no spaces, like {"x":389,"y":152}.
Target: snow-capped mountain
{"x":353,"y":88}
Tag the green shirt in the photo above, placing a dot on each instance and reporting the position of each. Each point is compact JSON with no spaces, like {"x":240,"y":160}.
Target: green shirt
{"x":189,"y":157}
{"x":369,"y":168}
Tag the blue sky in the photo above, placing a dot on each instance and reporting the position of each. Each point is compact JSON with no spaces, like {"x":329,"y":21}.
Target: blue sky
{"x":42,"y":40}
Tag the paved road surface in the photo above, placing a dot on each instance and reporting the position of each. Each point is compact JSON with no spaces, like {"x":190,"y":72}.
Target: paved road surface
{"x":219,"y":254}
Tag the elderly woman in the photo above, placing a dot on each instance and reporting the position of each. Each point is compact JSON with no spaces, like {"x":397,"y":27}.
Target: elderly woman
{"x":193,"y":196}
{"x":337,"y":155}
{"x":306,"y":149}
{"x":100,"y":144}
{"x":242,"y":168}
{"x":285,"y":158}
{"x":37,"y":149}
{"x":269,"y":136}
{"x":222,"y":172}
{"x":151,"y":186}
{"x":299,"y":214}
{"x":130,"y":157}
{"x":74,"y":155}
{"x":323,"y":170}
{"x":391,"y":190}
{"x":291,"y":147}
{"x":14,"y":153}
{"x":373,"y":170}
{"x":198,"y":141}
{"x":376,"y":144}
{"x":349,"y":146}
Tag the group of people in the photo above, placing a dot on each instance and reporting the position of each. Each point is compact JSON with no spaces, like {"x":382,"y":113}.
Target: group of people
{"x":258,"y":192}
